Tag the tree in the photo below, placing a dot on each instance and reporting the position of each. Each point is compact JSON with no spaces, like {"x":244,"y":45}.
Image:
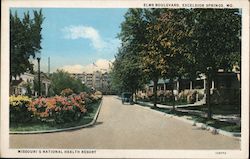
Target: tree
{"x":215,"y":40}
{"x":61,"y":80}
{"x":126,"y":73}
{"x":174,"y":34}
{"x":25,"y":41}
{"x":153,"y":60}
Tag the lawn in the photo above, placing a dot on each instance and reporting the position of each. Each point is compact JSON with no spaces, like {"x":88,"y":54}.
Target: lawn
{"x":167,"y":102}
{"x":230,"y":127}
{"x":218,"y":109}
{"x":170,"y":103}
{"x":41,"y":126}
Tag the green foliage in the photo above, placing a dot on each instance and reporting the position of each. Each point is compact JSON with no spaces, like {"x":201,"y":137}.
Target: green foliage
{"x":61,"y":80}
{"x":216,"y":38}
{"x":19,"y":110}
{"x":25,"y":40}
{"x":126,"y":74}
{"x":176,"y":43}
{"x":216,"y":43}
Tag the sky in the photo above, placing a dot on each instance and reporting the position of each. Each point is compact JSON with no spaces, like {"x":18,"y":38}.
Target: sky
{"x":79,"y":40}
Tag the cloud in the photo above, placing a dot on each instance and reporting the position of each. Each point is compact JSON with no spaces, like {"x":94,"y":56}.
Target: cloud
{"x":85,"y":32}
{"x":104,"y":46}
{"x":100,"y":65}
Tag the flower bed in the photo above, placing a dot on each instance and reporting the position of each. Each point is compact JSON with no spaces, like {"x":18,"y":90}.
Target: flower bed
{"x":56,"y":110}
{"x":19,"y":111}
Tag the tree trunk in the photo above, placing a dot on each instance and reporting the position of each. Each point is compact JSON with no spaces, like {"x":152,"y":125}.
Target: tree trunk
{"x":208,"y":96}
{"x":173,"y":97}
{"x":155,"y":92}
{"x":135,"y":94}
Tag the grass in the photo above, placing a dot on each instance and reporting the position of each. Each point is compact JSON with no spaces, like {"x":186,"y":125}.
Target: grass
{"x":226,"y":126}
{"x":170,"y":103}
{"x":231,"y":127}
{"x":218,"y":109}
{"x":41,"y":126}
{"x":167,"y":102}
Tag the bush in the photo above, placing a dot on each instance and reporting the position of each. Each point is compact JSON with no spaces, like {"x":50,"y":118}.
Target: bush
{"x":66,"y":92}
{"x":187,"y":95}
{"x":191,"y":97}
{"x":98,"y":94}
{"x":168,"y":94}
{"x":58,"y":109}
{"x":150,"y":94}
{"x":19,"y":109}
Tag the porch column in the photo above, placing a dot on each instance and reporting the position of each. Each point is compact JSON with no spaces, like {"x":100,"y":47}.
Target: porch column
{"x":204,"y":84}
{"x":204,"y":89}
{"x":191,"y":85}
{"x":177,"y":86}
{"x":212,"y":84}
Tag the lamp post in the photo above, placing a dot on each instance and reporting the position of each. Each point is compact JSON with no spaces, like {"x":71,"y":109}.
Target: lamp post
{"x":38,"y":57}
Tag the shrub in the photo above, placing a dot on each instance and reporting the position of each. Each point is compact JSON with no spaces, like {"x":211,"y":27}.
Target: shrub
{"x":150,"y":94}
{"x":160,"y":93}
{"x":58,"y":109}
{"x":168,"y":94}
{"x":19,"y":109}
{"x":98,"y":94}
{"x":187,"y":95}
{"x":191,"y":97}
{"x":66,"y":92}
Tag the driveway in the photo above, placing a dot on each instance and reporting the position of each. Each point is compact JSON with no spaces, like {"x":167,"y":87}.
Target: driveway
{"x":128,"y":127}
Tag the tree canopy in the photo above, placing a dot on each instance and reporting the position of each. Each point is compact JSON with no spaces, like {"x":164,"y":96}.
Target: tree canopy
{"x":25,"y":41}
{"x":61,"y":80}
{"x":175,"y":44}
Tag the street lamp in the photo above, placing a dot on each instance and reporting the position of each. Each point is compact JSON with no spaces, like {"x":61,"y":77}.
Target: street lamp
{"x":38,"y":57}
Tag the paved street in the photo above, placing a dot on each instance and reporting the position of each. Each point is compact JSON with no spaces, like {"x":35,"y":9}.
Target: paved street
{"x":128,"y":127}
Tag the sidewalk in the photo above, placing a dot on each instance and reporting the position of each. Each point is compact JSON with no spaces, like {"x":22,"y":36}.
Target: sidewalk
{"x":234,"y":118}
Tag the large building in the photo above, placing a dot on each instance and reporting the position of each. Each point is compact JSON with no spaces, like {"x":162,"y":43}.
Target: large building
{"x":96,"y":80}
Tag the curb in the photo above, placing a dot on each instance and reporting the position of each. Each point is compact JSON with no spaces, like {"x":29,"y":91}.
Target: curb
{"x":65,"y":129}
{"x":200,"y":125}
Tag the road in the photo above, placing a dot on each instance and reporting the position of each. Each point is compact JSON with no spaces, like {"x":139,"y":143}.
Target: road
{"x":128,"y":127}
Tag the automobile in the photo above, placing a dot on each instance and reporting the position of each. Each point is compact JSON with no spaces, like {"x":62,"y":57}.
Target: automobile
{"x":127,"y":97}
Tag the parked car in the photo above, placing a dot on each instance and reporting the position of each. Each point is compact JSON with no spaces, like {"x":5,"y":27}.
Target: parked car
{"x":127,"y":97}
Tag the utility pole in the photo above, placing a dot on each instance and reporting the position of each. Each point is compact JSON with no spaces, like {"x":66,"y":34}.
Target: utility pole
{"x":48,"y":66}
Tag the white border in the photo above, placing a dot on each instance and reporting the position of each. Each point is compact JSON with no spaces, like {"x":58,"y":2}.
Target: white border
{"x":102,"y":153}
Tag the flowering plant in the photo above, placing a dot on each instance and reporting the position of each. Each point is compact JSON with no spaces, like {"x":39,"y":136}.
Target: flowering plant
{"x":66,"y":92}
{"x":58,"y":109}
{"x":19,"y":109}
{"x":19,"y":100}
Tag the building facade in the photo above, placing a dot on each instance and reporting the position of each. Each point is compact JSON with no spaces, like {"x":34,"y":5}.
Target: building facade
{"x":25,"y":84}
{"x":225,"y":88}
{"x":97,"y":80}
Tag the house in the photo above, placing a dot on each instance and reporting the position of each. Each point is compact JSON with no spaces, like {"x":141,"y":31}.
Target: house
{"x":25,"y":84}
{"x":225,"y":88}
